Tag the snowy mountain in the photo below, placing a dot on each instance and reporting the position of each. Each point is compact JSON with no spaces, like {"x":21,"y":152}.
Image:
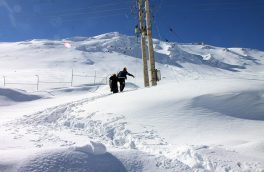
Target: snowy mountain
{"x":176,"y":61}
{"x":206,"y":114}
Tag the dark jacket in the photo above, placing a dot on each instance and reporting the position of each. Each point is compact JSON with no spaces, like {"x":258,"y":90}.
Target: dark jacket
{"x":123,"y":74}
{"x":113,"y":83}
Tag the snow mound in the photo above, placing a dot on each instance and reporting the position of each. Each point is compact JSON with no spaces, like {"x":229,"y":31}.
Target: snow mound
{"x":76,"y":89}
{"x":11,"y":96}
{"x":81,"y":159}
{"x":70,"y":159}
{"x":245,"y":105}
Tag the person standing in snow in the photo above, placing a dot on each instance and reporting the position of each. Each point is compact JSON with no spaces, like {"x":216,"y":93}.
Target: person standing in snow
{"x":113,"y":83}
{"x":122,"y":76}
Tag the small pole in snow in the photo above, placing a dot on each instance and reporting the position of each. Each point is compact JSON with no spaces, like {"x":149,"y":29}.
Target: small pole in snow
{"x":4,"y":81}
{"x":72,"y":78}
{"x":37,"y":81}
{"x":94,"y":76}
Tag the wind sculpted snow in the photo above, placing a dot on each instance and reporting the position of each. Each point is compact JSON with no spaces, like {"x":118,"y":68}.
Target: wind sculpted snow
{"x":245,"y":105}
{"x":161,"y":125}
{"x":206,"y":114}
{"x":10,"y":96}
{"x":165,"y":53}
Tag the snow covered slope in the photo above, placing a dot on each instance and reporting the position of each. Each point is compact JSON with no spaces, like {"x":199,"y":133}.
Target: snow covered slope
{"x":109,"y":53}
{"x":206,"y":114}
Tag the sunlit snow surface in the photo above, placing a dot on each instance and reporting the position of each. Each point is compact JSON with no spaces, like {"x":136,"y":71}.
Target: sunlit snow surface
{"x":206,"y":114}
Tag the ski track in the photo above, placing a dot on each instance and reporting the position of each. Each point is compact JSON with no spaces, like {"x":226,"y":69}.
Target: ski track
{"x":44,"y":127}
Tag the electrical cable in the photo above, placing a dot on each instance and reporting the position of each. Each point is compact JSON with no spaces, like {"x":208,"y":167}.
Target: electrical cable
{"x":80,"y":11}
{"x":222,"y":5}
{"x":91,"y":7}
{"x":92,"y":17}
{"x":90,"y":12}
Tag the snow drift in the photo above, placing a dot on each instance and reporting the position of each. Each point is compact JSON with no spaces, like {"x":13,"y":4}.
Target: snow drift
{"x":11,"y":96}
{"x":245,"y":105}
{"x":206,"y":114}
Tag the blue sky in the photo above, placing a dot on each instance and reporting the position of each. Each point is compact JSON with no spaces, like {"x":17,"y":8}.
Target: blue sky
{"x":227,"y":23}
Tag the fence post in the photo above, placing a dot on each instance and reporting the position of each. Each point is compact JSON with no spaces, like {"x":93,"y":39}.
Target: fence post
{"x":4,"y":81}
{"x":37,"y":82}
{"x":72,"y":78}
{"x":94,"y":76}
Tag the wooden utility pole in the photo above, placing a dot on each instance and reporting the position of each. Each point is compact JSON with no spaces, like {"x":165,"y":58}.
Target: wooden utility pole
{"x":143,"y":43}
{"x":150,"y":46}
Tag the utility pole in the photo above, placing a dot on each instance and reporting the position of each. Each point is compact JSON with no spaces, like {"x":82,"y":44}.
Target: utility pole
{"x":150,"y":46}
{"x":143,"y":43}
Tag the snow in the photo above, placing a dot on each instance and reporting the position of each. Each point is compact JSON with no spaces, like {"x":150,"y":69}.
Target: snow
{"x":245,"y":105}
{"x":206,"y":114}
{"x":10,"y":96}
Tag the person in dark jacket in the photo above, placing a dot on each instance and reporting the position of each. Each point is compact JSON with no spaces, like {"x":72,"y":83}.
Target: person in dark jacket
{"x":122,"y":76}
{"x":113,"y":83}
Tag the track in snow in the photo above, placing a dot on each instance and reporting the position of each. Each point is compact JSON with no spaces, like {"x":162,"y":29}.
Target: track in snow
{"x":79,"y":125}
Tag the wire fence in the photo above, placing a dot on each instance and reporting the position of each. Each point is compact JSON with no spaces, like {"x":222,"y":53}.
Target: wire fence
{"x":76,"y":79}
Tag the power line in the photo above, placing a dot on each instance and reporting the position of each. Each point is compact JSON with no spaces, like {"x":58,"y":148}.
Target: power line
{"x":170,"y":29}
{"x":93,"y":17}
{"x":220,"y":5}
{"x":157,"y":7}
{"x":176,"y":34}
{"x":92,"y":7}
{"x":89,"y":12}
{"x":157,"y":29}
{"x":80,"y":11}
{"x":154,"y":15}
